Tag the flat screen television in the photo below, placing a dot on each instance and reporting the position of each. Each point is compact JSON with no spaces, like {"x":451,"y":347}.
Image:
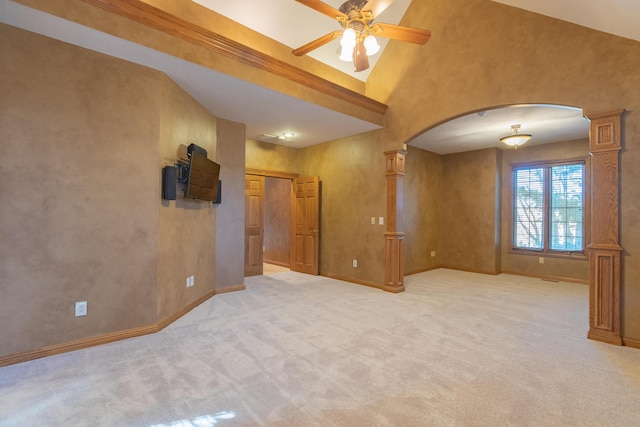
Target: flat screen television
{"x":203,"y":178}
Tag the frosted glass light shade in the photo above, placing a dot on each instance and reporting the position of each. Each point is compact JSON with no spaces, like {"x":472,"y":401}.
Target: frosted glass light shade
{"x":346,"y":53}
{"x":371,"y":45}
{"x":515,"y":140}
{"x":348,"y":38}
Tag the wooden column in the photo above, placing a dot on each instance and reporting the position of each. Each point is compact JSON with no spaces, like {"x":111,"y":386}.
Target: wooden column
{"x":605,"y":249}
{"x":394,"y":236}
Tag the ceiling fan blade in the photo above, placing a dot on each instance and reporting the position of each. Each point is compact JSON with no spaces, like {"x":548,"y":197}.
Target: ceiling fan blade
{"x":321,"y":41}
{"x":360,"y":58}
{"x":322,"y":7}
{"x":377,"y":6}
{"x":397,"y":32}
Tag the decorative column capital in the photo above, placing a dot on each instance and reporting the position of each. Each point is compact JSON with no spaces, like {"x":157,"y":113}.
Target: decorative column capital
{"x":395,"y":162}
{"x":604,"y":133}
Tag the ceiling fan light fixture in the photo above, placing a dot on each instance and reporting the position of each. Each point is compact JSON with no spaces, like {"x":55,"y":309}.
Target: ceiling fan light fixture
{"x":346,"y":53}
{"x":357,"y":39}
{"x":285,"y":136}
{"x":371,"y":45}
{"x":349,"y":37}
{"x":516,"y":139}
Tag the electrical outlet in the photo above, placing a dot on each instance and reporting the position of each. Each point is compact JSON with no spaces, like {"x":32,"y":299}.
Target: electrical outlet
{"x":541,"y":260}
{"x":433,"y":253}
{"x":81,"y":308}
{"x":355,"y":263}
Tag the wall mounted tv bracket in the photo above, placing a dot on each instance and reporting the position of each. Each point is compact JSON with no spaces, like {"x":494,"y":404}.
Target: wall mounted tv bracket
{"x":193,"y":147}
{"x":182,"y":175}
{"x":183,"y":167}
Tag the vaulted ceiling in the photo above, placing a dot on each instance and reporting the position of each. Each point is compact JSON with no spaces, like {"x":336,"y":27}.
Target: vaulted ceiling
{"x":267,"y":113}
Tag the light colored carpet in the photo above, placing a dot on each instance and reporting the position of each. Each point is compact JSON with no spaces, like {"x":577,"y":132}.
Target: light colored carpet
{"x":455,"y":349}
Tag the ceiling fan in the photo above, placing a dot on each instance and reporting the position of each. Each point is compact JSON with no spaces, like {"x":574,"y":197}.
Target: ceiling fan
{"x":358,"y":35}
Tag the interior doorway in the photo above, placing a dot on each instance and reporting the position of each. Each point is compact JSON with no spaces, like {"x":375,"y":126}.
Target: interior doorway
{"x":281,"y":222}
{"x":277,"y":221}
{"x":268,"y":223}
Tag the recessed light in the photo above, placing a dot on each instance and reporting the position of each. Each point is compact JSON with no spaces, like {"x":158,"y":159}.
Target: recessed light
{"x":288,"y":135}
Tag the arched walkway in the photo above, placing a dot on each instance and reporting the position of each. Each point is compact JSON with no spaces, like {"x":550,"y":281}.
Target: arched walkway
{"x":604,"y":248}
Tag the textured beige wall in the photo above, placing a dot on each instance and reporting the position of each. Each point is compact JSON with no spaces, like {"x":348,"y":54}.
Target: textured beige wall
{"x":111,"y":23}
{"x":477,"y":59}
{"x":80,"y":190}
{"x":82,"y":216}
{"x":230,"y":213}
{"x":353,"y":190}
{"x":561,"y":267}
{"x":186,"y":227}
{"x":470,"y":224}
{"x":423,"y":193}
{"x":277,"y":220}
{"x":271,"y":157}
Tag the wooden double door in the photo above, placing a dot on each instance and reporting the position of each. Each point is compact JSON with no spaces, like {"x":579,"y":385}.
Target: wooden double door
{"x":305,"y":224}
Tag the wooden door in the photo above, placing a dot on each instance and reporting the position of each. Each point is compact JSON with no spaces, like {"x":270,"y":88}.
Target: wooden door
{"x":306,"y":217}
{"x":253,"y":224}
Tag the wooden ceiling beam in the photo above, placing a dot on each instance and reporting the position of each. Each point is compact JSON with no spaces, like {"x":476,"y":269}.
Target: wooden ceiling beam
{"x":153,"y":17}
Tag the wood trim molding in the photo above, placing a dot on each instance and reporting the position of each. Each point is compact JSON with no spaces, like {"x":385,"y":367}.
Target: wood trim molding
{"x":605,"y":250}
{"x":110,"y":337}
{"x":469,"y":270}
{"x":423,"y":270}
{"x":77,"y":345}
{"x":156,"y":18}
{"x":548,"y":278}
{"x":272,"y":174}
{"x":230,"y":289}
{"x":351,"y":280}
{"x":184,"y":310}
{"x":631,"y":342}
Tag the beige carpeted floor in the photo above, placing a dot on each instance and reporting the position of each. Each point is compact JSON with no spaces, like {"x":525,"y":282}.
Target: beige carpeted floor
{"x":455,"y":349}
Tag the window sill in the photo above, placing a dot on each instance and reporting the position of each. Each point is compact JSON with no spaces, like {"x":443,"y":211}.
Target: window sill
{"x":547,"y":254}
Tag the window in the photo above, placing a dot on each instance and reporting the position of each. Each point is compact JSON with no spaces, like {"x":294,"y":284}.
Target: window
{"x":549,"y":208}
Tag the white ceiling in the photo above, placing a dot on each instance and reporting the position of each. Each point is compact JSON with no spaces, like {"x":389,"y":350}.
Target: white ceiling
{"x":294,"y":25}
{"x":546,"y":124}
{"x":267,"y":112}
{"x":619,"y":17}
{"x":264,"y":111}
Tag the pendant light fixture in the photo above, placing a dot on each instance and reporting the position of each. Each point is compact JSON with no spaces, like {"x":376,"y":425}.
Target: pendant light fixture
{"x":516,"y":139}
